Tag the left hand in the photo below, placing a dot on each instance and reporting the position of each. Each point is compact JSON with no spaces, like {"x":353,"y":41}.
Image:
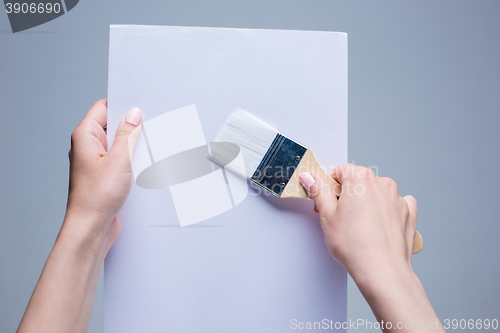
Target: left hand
{"x":99,"y":184}
{"x":100,"y":180}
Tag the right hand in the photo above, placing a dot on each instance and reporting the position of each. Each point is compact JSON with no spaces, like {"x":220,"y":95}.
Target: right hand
{"x":370,"y":228}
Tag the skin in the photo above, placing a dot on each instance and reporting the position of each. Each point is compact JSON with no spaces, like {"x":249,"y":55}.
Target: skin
{"x":100,"y":181}
{"x":370,"y":234}
{"x":370,"y":231}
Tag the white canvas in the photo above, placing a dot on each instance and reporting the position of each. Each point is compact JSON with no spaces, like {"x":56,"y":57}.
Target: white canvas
{"x":140,"y":157}
{"x":201,"y":198}
{"x":174,"y":131}
{"x":263,"y":263}
{"x":235,"y":172}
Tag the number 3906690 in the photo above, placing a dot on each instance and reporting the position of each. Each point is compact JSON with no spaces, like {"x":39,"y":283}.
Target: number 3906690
{"x":32,"y":8}
{"x":470,"y":324}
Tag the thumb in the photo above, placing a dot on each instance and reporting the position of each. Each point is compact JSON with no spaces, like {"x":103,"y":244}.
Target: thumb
{"x":320,"y":192}
{"x":126,"y":137}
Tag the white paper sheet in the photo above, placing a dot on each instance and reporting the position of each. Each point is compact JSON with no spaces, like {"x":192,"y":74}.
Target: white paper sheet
{"x":262,"y":263}
{"x":174,"y":131}
{"x":208,"y":197}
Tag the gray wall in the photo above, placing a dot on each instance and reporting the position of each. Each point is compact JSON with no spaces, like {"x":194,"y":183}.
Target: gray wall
{"x":424,"y":82}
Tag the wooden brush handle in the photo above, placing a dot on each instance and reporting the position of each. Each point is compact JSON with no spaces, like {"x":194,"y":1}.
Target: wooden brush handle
{"x":308,"y":163}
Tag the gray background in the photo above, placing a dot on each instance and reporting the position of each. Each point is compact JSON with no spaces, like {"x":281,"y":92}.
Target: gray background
{"x":424,"y":82}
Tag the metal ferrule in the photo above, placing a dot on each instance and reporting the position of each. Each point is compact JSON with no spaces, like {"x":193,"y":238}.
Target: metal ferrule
{"x":278,"y":164}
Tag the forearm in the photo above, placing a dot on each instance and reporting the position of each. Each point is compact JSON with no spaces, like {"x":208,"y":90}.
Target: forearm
{"x":397,"y":297}
{"x":63,"y":297}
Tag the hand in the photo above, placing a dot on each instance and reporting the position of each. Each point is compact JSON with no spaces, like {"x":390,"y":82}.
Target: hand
{"x":370,"y":231}
{"x":100,"y":180}
{"x":370,"y":227}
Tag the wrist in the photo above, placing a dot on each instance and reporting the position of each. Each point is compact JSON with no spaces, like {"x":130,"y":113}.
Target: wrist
{"x":395,"y":280}
{"x":396,"y":294}
{"x":85,"y":231}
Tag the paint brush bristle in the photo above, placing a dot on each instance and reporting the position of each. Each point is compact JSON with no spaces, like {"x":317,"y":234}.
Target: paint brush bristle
{"x":252,"y":135}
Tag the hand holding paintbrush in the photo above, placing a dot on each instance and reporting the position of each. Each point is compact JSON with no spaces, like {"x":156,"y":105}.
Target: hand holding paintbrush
{"x":274,"y":161}
{"x":371,"y":233}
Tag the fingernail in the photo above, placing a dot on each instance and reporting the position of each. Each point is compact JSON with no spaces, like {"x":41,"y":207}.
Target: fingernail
{"x":134,"y":117}
{"x":306,"y":179}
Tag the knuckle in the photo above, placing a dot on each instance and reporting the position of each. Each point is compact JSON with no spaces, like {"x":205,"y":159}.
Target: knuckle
{"x":348,"y":171}
{"x":368,"y":173}
{"x":390,"y":183}
{"x":122,"y":133}
{"x":363,"y":174}
{"x":319,"y":193}
{"x":77,"y":133}
{"x":313,"y":191}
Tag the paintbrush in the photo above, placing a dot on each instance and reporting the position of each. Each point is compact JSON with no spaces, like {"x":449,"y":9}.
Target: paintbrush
{"x":273,"y":161}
